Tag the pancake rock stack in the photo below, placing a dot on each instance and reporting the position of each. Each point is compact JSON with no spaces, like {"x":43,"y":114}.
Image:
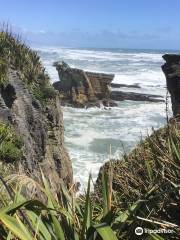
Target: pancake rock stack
{"x":83,"y":89}
{"x":171,"y":70}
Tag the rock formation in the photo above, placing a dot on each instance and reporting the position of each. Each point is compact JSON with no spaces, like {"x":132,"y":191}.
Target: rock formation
{"x":41,"y":130}
{"x":80,"y":88}
{"x":121,"y":96}
{"x":171,"y":70}
{"x":118,"y":85}
{"x":32,"y":107}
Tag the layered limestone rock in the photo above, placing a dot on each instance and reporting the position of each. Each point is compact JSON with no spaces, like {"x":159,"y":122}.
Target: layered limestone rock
{"x":118,"y":85}
{"x":171,"y":70}
{"x":31,"y":106}
{"x":80,"y":88}
{"x":41,"y":130}
{"x":122,"y":96}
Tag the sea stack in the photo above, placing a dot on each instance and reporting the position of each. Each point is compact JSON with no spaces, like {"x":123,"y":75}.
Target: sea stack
{"x":80,"y":88}
{"x":171,"y":70}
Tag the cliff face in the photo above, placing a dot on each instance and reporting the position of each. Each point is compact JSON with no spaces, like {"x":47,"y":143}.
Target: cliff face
{"x":41,"y":130}
{"x":171,"y":70}
{"x":39,"y":124}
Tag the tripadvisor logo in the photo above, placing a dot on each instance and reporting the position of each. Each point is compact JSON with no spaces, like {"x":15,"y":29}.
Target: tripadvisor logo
{"x":139,"y":231}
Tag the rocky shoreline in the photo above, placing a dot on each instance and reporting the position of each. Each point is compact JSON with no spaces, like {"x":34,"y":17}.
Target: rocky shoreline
{"x":118,"y":85}
{"x":140,"y":186}
{"x":81,"y":89}
{"x":30,"y":104}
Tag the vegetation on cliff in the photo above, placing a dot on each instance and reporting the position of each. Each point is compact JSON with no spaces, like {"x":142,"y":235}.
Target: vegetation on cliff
{"x":23,"y":59}
{"x":149,"y":176}
{"x":142,"y":190}
{"x":29,"y":105}
{"x":10,"y":144}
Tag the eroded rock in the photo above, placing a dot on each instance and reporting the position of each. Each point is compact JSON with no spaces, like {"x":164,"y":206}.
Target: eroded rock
{"x":118,"y":85}
{"x":41,"y":129}
{"x":80,"y":88}
{"x":121,"y":96}
{"x":171,"y":70}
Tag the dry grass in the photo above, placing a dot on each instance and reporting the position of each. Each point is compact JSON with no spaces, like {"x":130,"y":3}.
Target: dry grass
{"x":150,"y":174}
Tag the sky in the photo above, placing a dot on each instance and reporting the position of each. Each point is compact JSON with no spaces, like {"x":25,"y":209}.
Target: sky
{"x":145,"y":24}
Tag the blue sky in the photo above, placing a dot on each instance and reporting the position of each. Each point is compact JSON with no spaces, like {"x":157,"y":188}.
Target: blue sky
{"x":96,"y":23}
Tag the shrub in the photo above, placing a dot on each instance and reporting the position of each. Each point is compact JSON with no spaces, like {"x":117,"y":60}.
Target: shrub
{"x":9,"y":152}
{"x":69,"y":219}
{"x":3,"y":72}
{"x":150,"y":174}
{"x":10,"y":144}
{"x":14,"y":53}
{"x":133,"y":194}
{"x":44,"y":94}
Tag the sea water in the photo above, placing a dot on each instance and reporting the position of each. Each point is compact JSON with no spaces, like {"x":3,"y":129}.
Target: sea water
{"x":91,"y":135}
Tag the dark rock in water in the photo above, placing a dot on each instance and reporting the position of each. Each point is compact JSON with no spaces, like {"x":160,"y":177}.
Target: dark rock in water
{"x":171,"y":58}
{"x":79,"y":88}
{"x":121,"y":96}
{"x":109,"y":103}
{"x":41,"y":129}
{"x":171,"y":70}
{"x":117,"y":85}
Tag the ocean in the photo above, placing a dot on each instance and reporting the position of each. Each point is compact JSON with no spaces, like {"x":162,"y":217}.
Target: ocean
{"x":92,"y":135}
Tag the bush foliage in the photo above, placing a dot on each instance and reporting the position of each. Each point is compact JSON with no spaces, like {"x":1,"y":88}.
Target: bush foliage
{"x":15,"y":54}
{"x":141,"y":190}
{"x":151,"y":175}
{"x":10,"y":144}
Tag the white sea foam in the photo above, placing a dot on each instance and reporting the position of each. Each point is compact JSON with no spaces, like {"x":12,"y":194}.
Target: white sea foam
{"x":144,"y":78}
{"x":90,"y":132}
{"x":76,"y":54}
